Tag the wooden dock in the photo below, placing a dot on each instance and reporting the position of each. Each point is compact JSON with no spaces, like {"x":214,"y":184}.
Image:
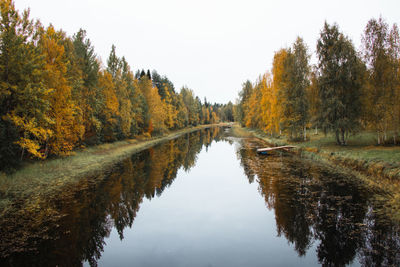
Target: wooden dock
{"x":267,"y":149}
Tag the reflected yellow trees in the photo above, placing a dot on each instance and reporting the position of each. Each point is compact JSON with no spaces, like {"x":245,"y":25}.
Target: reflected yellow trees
{"x":71,"y":227}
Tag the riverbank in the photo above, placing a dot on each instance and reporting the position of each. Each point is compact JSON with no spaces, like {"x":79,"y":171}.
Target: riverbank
{"x":48,"y":177}
{"x":378,"y":166}
{"x":360,"y":153}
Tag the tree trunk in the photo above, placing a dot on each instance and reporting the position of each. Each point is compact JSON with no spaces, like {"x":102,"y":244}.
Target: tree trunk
{"x":22,"y":154}
{"x":46,"y":151}
{"x":384,"y":132}
{"x":337,"y":137}
{"x":316,"y":130}
{"x":305,"y":133}
{"x":379,"y":140}
{"x":343,"y":137}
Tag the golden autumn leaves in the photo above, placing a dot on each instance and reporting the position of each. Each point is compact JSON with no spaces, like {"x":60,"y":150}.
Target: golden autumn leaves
{"x":55,"y":94}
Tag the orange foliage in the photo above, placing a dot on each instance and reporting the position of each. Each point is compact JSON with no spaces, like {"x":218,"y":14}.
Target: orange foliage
{"x":66,"y":130}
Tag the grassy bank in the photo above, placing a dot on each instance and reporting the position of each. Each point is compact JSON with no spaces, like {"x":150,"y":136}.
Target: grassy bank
{"x":48,"y":177}
{"x":361,"y":152}
{"x":378,"y":166}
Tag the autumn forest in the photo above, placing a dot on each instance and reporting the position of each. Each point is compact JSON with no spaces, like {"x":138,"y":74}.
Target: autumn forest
{"x":105,"y":162}
{"x":57,"y":95}
{"x":345,"y":92}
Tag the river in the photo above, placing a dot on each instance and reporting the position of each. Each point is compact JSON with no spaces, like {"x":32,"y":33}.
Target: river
{"x":208,"y":199}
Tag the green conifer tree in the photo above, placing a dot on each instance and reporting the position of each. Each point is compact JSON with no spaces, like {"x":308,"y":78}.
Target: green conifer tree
{"x":340,"y":83}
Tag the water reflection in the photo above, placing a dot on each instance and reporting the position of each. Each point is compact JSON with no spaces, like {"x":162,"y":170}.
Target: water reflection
{"x":83,"y":216}
{"x":316,"y":208}
{"x":314,"y":203}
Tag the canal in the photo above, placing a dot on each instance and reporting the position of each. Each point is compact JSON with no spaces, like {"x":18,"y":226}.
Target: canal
{"x":208,"y":199}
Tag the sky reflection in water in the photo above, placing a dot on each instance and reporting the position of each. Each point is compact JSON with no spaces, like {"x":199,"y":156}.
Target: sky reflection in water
{"x":210,"y":216}
{"x":207,"y":199}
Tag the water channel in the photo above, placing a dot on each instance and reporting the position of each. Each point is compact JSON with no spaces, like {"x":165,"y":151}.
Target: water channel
{"x":208,"y":199}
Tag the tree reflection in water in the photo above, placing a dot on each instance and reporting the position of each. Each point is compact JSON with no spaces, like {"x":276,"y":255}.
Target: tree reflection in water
{"x":315,"y":203}
{"x":314,"y":206}
{"x":84,"y":215}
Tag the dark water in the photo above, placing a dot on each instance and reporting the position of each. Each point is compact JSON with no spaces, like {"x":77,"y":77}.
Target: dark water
{"x":207,"y":199}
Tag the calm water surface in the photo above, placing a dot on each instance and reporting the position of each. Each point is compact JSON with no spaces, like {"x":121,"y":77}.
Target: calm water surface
{"x":207,"y":199}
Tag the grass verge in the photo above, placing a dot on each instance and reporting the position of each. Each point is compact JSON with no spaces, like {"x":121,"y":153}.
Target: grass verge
{"x":361,"y":153}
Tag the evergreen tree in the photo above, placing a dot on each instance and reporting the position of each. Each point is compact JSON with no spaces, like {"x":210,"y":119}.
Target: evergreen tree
{"x":137,"y":74}
{"x":86,"y":93}
{"x":163,"y":84}
{"x":157,"y":82}
{"x":313,"y":98}
{"x":113,"y":63}
{"x":340,"y":83}
{"x":134,"y":97}
{"x":295,"y":105}
{"x":142,"y":74}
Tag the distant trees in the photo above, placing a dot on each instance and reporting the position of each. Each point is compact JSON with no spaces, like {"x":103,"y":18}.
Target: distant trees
{"x":341,"y":94}
{"x":244,"y":95}
{"x":55,"y":95}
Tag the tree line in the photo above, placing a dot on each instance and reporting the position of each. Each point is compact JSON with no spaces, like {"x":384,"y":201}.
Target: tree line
{"x":56,"y":94}
{"x":346,"y":91}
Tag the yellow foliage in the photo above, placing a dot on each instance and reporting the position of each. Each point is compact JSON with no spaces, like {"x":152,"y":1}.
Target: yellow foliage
{"x":253,"y":113}
{"x":66,"y":127}
{"x":33,"y":136}
{"x":171,"y":111}
{"x":214,"y":117}
{"x":263,"y":108}
{"x":110,"y":98}
{"x":157,"y":109}
{"x":31,"y":146}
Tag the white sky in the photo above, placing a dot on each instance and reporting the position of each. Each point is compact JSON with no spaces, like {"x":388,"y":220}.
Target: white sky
{"x":211,"y":46}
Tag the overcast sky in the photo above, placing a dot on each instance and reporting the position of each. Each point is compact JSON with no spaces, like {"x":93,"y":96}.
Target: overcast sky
{"x":211,"y":46}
